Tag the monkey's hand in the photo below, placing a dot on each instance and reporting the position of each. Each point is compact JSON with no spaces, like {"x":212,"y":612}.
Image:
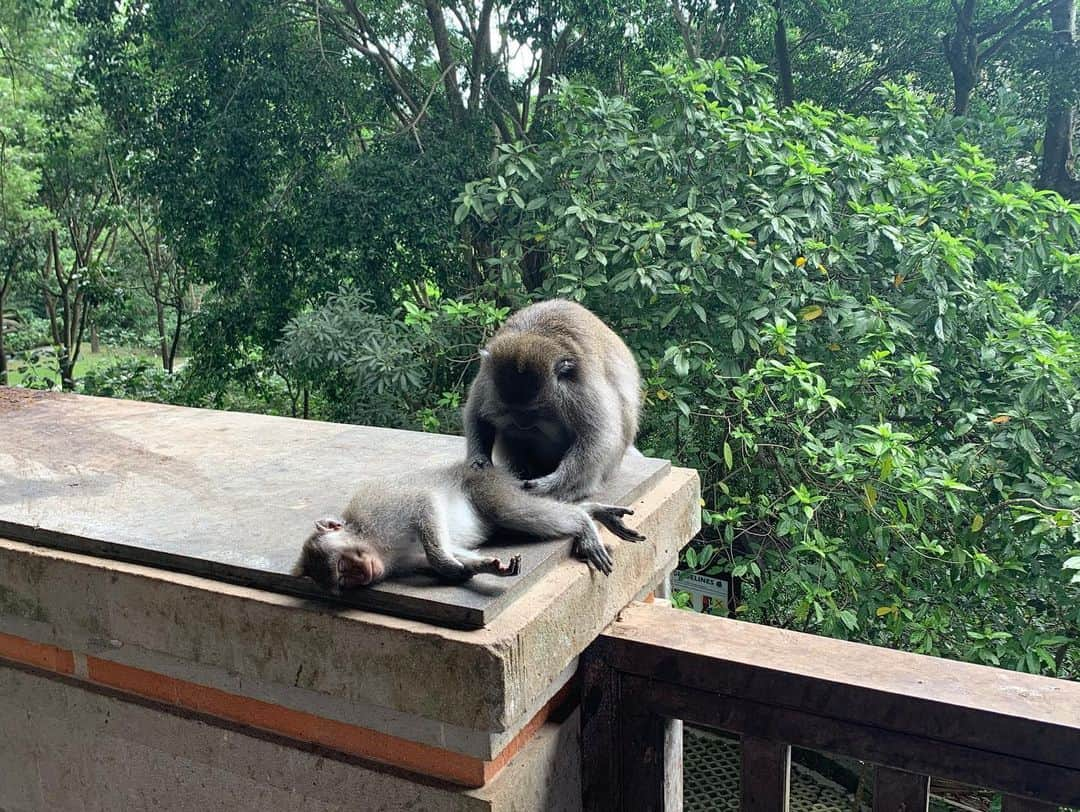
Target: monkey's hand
{"x":478,"y":462}
{"x":513,"y":567}
{"x":495,"y":567}
{"x":554,"y":486}
{"x":611,"y":517}
{"x":591,"y":549}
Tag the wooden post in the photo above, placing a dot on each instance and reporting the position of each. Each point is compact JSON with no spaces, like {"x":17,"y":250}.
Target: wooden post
{"x":601,"y":752}
{"x":1012,"y":803}
{"x":631,"y":758}
{"x":651,"y":770}
{"x":673,"y":732}
{"x":899,"y":791}
{"x":764,"y":778}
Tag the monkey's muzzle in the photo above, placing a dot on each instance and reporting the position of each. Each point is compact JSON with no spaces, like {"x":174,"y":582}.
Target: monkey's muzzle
{"x":357,"y":569}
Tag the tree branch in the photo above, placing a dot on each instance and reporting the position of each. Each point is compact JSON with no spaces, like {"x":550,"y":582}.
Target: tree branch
{"x":446,"y":57}
{"x":481,"y":54}
{"x":1014,"y":29}
{"x":685,"y":31}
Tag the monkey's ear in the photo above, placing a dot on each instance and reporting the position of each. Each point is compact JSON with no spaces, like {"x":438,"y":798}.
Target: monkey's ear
{"x":565,"y":367}
{"x":328,"y":525}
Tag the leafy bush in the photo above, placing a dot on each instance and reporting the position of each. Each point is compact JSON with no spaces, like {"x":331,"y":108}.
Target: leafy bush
{"x":132,"y":378}
{"x":25,"y":331}
{"x":38,"y":368}
{"x":407,"y":369}
{"x":856,"y":330}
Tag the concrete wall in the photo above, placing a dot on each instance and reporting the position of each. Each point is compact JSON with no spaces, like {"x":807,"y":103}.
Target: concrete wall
{"x":65,"y":747}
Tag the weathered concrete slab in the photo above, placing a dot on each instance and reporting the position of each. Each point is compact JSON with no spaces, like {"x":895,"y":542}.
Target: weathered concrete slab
{"x":470,"y":692}
{"x":231,"y":496}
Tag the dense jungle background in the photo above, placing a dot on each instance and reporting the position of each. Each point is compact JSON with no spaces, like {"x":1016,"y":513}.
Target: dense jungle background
{"x":842,"y":238}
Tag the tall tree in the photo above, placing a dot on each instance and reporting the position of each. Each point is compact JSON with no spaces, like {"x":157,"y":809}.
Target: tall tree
{"x":1062,"y":94}
{"x":29,"y":41}
{"x":296,"y":146}
{"x":783,"y":57}
{"x":979,"y":34}
{"x":165,"y":280}
{"x":75,"y":188}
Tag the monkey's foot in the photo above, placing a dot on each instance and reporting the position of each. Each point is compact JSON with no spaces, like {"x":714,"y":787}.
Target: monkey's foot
{"x":496,"y":567}
{"x":611,"y":517}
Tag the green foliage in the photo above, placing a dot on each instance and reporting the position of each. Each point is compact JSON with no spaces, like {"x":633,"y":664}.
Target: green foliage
{"x":25,"y":331}
{"x":36,"y":369}
{"x":253,"y":125}
{"x":406,"y":369}
{"x":133,"y":378}
{"x":854,"y":329}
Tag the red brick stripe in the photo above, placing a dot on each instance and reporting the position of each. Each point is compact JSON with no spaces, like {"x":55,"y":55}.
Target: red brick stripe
{"x":371,"y":745}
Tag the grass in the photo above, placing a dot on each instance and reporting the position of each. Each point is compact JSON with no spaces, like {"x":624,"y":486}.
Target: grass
{"x":87,"y":361}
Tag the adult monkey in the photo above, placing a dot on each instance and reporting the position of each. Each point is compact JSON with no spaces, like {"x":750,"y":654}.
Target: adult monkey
{"x":556,"y":400}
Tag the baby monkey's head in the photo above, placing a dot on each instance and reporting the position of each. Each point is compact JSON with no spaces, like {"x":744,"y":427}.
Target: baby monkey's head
{"x":337,"y":558}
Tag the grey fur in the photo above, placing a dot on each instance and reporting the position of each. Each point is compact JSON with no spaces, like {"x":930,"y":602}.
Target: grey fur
{"x":578,"y":426}
{"x":425,"y":521}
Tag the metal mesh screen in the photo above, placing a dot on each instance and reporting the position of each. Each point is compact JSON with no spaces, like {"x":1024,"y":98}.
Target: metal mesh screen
{"x":711,"y":778}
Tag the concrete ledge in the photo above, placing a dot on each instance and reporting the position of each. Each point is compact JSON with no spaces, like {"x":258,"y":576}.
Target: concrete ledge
{"x":466,"y":692}
{"x":69,"y":748}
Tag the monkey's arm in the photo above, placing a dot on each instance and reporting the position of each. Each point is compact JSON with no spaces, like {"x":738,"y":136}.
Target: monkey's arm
{"x":479,"y":435}
{"x":589,"y":459}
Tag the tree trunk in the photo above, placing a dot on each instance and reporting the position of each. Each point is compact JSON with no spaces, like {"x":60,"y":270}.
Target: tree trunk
{"x":67,"y":371}
{"x":1057,"y":142}
{"x":783,"y":57}
{"x":95,"y":340}
{"x":3,"y":349}
{"x":163,"y":341}
{"x":446,"y":58}
{"x":175,"y":342}
{"x":962,"y":53}
{"x":963,"y":87}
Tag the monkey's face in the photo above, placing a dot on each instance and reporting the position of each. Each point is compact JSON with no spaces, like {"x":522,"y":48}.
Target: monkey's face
{"x":529,"y":374}
{"x":337,"y":558}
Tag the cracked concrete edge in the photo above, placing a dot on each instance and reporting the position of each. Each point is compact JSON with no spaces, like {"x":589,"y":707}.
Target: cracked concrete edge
{"x":308,"y":653}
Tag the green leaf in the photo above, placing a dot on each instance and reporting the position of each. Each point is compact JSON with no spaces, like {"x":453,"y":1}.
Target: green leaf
{"x":738,"y":340}
{"x":729,"y":460}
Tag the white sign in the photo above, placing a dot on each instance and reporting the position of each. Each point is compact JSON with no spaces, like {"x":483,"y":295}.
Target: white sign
{"x":702,"y":587}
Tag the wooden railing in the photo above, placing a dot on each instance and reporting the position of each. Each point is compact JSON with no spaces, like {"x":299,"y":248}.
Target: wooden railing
{"x":912,"y":716}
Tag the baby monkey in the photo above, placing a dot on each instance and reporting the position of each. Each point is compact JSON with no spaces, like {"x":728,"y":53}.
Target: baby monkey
{"x":436,"y":520}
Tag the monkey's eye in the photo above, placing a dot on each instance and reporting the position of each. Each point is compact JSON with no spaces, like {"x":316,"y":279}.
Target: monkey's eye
{"x":565,"y":367}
